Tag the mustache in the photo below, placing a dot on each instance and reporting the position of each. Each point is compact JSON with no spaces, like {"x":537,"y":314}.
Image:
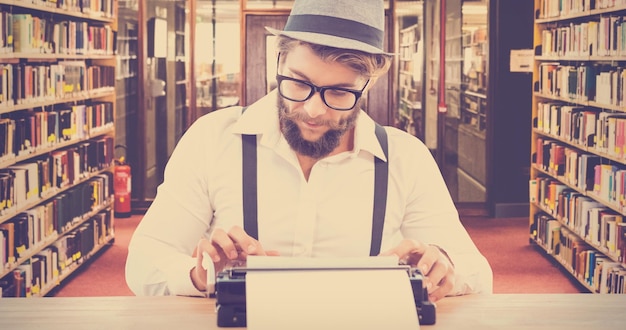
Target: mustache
{"x":302,"y":116}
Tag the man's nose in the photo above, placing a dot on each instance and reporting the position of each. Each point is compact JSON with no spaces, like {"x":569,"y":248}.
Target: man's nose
{"x":315,"y":106}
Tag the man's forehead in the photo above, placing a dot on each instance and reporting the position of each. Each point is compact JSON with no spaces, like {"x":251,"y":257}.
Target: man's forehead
{"x":303,"y":61}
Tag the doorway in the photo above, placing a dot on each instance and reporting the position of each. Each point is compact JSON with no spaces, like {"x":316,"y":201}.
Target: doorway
{"x":260,"y":57}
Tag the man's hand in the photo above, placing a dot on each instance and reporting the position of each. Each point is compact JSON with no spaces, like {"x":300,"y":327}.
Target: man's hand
{"x":429,"y":259}
{"x":225,"y":249}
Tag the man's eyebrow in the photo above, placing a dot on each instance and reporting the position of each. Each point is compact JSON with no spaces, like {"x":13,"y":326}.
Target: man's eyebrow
{"x":304,"y":77}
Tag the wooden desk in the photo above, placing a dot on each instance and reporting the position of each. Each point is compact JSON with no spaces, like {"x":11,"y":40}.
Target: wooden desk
{"x":502,"y":311}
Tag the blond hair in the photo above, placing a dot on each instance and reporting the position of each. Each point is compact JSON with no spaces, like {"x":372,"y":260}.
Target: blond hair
{"x":370,"y":65}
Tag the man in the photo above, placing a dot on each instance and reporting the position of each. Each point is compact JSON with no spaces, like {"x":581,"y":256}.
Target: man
{"x":317,"y":166}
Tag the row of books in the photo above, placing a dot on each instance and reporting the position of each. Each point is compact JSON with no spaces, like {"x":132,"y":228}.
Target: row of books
{"x":42,"y":271}
{"x":28,"y":183}
{"x":574,"y":167}
{"x":602,"y":83}
{"x":409,"y":36}
{"x":30,"y":131}
{"x":585,"y":172}
{"x":407,"y":54}
{"x":561,"y":8}
{"x":30,"y":230}
{"x":27,"y":34}
{"x":31,"y":83}
{"x":600,"y":273}
{"x":34,"y":228}
{"x":597,"y":224}
{"x":604,"y":37}
{"x":600,"y":131}
{"x":125,"y":68}
{"x":105,"y":8}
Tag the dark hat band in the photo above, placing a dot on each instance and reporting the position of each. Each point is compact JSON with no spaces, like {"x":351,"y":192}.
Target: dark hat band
{"x":335,"y":26}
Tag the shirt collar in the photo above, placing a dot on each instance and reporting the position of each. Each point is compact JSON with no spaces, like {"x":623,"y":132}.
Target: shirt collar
{"x":261,"y":118}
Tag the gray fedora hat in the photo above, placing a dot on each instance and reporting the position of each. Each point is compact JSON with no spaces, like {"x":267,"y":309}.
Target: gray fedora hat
{"x":349,"y":24}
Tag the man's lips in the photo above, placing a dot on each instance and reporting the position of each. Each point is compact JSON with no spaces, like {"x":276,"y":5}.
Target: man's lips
{"x":313,"y":123}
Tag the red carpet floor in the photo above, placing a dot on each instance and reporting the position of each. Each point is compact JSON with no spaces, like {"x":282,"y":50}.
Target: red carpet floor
{"x":518,"y":266}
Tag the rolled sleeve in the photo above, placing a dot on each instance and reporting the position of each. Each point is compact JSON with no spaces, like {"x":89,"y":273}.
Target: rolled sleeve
{"x":473,"y":275}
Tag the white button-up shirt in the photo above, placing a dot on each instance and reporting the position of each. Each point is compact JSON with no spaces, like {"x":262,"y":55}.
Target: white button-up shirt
{"x":328,"y":215}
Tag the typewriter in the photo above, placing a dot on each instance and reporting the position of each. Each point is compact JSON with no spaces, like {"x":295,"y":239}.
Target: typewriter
{"x":230,"y":296}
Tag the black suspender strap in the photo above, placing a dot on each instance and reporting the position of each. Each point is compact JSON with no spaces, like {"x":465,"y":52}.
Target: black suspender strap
{"x":249,"y":182}
{"x":250,"y":223}
{"x":381,"y":179}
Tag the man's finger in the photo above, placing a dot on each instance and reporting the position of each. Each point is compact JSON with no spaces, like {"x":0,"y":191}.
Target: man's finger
{"x":428,"y":259}
{"x":205,"y":246}
{"x":441,"y":289}
{"x":223,"y":242}
{"x":199,"y":272}
{"x":435,"y":275}
{"x":245,"y":242}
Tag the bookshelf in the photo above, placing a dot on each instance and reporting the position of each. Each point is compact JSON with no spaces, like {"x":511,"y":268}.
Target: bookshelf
{"x":127,"y":80}
{"x":474,"y":89}
{"x":410,"y":115}
{"x":57,"y":111}
{"x":577,"y":187}
{"x":472,"y":126}
{"x":180,"y":69}
{"x":170,"y":117}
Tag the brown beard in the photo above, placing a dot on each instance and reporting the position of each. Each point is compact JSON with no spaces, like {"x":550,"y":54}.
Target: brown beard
{"x":314,"y":149}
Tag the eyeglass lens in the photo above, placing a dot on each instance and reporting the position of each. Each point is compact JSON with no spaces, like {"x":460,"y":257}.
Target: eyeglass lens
{"x":335,"y":98}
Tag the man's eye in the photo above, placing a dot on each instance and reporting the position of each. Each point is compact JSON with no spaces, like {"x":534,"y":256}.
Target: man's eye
{"x":337,"y":92}
{"x":299,"y":84}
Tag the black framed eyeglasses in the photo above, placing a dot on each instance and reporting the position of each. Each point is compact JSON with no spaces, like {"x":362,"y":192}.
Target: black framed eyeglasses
{"x":337,"y":98}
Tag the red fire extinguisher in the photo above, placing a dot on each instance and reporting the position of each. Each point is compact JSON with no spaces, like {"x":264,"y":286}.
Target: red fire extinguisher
{"x":122,"y":187}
